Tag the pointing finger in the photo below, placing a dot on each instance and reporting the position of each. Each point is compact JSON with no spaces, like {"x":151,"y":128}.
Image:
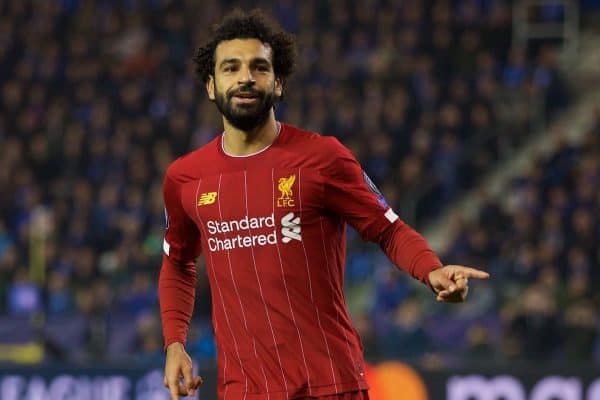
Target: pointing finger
{"x":187,"y":377}
{"x":174,"y":390}
{"x":474,"y":273}
{"x":468,"y":272}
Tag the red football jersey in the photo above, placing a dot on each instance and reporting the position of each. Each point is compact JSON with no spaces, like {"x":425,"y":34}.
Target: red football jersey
{"x":271,"y":226}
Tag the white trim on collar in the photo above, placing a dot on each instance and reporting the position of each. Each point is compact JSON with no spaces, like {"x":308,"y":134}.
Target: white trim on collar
{"x":251,"y":154}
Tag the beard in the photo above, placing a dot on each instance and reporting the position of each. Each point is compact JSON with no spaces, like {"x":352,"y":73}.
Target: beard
{"x":245,"y":117}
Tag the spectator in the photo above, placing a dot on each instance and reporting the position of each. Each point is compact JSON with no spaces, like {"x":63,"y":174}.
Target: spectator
{"x":536,"y":325}
{"x":95,"y":104}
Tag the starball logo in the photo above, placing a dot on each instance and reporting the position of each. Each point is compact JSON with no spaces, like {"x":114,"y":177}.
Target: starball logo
{"x":252,"y":232}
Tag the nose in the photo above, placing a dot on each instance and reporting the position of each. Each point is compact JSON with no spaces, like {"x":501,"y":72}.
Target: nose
{"x":246,"y":76}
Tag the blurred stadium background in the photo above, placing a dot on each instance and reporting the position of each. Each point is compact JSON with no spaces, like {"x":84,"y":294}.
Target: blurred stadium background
{"x":478,"y":119}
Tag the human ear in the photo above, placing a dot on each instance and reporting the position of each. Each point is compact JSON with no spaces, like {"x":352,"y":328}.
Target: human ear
{"x":278,"y":87}
{"x":210,"y":87}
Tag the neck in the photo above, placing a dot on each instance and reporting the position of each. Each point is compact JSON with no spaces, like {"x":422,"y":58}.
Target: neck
{"x":237,"y":142}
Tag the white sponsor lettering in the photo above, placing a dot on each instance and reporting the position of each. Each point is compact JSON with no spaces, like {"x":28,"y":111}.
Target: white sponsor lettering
{"x":594,"y":390}
{"x":150,"y":387}
{"x":241,"y":235}
{"x":83,"y":387}
{"x":239,"y":241}
{"x":556,"y":387}
{"x":65,"y":387}
{"x":166,"y":247}
{"x":240,"y":224}
{"x":290,"y":228}
{"x":477,"y":387}
{"x":12,"y":387}
{"x":505,"y":387}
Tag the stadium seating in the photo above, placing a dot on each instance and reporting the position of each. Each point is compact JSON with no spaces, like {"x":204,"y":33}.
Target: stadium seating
{"x":98,"y":97}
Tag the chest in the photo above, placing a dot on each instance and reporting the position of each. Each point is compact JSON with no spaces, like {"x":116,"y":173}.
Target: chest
{"x":254,"y":197}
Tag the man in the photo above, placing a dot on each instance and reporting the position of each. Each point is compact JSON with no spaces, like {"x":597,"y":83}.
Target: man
{"x":267,"y":203}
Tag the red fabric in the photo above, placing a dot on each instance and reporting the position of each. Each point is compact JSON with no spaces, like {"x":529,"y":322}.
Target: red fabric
{"x":408,"y":249}
{"x":348,"y":196}
{"x":176,"y":287}
{"x":272,"y":230}
{"x":357,"y":395}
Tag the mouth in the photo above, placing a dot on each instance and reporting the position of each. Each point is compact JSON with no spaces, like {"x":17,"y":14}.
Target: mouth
{"x":246,"y":98}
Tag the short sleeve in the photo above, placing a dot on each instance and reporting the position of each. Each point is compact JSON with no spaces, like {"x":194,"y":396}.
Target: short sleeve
{"x":182,"y":238}
{"x":350,"y":193}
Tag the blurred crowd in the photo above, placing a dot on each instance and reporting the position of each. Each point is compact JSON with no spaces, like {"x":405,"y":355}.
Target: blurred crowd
{"x":539,"y":241}
{"x":98,"y":97}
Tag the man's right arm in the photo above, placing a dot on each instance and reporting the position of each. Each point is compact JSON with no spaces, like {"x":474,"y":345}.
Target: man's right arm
{"x":176,"y":289}
{"x":176,"y":293}
{"x":177,"y":280}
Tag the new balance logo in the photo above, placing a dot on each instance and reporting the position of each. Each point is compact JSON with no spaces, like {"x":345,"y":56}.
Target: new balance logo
{"x":207,"y":198}
{"x":290,"y":228}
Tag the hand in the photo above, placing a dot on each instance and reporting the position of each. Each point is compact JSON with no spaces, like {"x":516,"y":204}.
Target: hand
{"x":451,"y":283}
{"x":179,"y":366}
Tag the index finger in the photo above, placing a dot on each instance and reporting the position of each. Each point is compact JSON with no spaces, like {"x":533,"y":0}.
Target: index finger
{"x":467,"y":272}
{"x":187,"y":377}
{"x":174,"y":390}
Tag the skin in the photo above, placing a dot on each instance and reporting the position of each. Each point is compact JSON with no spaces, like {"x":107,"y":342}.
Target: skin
{"x":238,"y":63}
{"x":248,"y":62}
{"x":451,"y":282}
{"x":178,"y":368}
{"x":241,"y":62}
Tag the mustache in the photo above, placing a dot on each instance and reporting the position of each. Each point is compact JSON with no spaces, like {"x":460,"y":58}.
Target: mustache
{"x":245,"y":90}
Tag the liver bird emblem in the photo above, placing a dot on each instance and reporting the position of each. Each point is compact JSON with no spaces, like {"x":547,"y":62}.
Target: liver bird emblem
{"x":285,"y":186}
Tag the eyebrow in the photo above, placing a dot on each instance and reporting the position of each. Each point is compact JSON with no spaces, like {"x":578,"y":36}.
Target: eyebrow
{"x":254,"y":61}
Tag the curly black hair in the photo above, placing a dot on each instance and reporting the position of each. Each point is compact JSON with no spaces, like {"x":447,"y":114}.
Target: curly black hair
{"x":253,"y":25}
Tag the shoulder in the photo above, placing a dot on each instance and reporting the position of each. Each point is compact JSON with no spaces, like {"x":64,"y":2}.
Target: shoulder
{"x":189,"y":166}
{"x":323,"y":146}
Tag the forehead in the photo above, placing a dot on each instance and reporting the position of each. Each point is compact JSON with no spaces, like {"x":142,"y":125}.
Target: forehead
{"x":243,"y":49}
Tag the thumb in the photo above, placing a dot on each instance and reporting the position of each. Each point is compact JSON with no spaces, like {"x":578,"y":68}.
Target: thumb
{"x":444,"y":284}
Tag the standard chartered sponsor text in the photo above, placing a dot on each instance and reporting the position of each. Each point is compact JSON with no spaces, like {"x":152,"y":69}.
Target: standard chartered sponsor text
{"x":215,"y":244}
{"x":245,"y":225}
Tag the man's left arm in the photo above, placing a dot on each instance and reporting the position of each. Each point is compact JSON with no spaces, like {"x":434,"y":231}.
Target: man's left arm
{"x":409,"y":250}
{"x":351,"y":194}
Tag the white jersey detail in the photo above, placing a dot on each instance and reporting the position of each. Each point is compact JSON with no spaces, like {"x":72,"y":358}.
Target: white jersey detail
{"x":391,"y":215}
{"x":166,"y":247}
{"x":290,"y":228}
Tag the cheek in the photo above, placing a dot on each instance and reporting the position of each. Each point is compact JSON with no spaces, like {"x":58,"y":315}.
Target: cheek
{"x":221,"y":93}
{"x":221,"y":85}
